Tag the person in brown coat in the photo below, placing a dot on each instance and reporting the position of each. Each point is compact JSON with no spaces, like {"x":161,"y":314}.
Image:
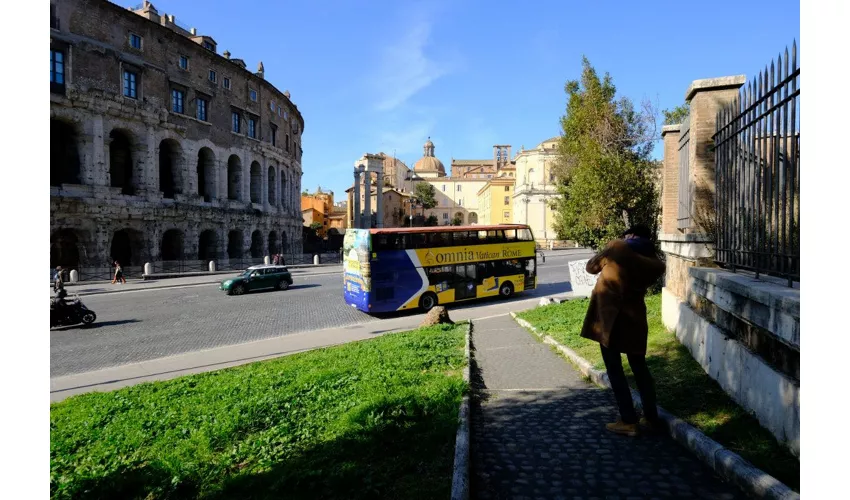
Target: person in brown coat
{"x":616,"y":318}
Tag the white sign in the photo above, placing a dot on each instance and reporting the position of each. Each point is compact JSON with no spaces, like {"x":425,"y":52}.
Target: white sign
{"x":581,"y":281}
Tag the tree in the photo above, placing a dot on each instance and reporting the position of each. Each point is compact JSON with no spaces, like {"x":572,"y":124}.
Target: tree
{"x":426,"y":194}
{"x":456,"y":221}
{"x":676,"y":115}
{"x":432,"y":221}
{"x":604,"y":170}
{"x":316,"y":227}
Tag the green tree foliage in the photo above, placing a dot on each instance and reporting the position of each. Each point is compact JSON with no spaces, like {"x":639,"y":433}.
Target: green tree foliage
{"x":426,"y":195}
{"x":456,"y":221}
{"x":316,"y":227}
{"x":676,"y":115}
{"x":432,"y":221}
{"x":604,"y":171}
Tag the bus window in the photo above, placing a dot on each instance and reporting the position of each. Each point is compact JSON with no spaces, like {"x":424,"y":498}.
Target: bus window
{"x":524,"y":234}
{"x":510,"y":235}
{"x":380,"y":243}
{"x":440,"y":239}
{"x":418,"y":240}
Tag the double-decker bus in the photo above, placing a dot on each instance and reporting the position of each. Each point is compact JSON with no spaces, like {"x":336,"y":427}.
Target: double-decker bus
{"x":398,"y":269}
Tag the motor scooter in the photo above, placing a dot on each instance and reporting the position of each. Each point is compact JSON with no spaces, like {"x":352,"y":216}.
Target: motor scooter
{"x":71,"y":312}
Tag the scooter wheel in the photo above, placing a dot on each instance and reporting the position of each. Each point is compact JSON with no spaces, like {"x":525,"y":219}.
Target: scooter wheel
{"x":88,"y":318}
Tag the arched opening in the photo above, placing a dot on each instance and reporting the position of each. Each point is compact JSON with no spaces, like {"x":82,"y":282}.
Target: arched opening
{"x":208,"y":245}
{"x":458,"y":218}
{"x":206,"y":174}
{"x":170,"y":180}
{"x":283,"y":198}
{"x":64,"y":154}
{"x":234,"y":178}
{"x":473,"y":218}
{"x":234,"y":244}
{"x":273,"y":248}
{"x":284,"y":246}
{"x":172,"y":245}
{"x":64,"y":249}
{"x":121,"y":161}
{"x":256,"y":183}
{"x":272,"y":200}
{"x":127,"y":247}
{"x":256,"y":244}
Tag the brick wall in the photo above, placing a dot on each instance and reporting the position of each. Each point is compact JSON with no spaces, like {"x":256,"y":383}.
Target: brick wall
{"x":670,"y":180}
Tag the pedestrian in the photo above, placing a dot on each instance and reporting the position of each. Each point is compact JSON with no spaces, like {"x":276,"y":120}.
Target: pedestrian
{"x":119,"y":274}
{"x":276,"y":259}
{"x":616,"y":318}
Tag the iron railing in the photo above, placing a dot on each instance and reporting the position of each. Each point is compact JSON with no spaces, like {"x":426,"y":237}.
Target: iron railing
{"x":685,"y":185}
{"x":757,"y":169}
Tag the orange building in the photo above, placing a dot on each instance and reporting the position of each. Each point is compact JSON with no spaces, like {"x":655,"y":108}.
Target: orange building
{"x":317,"y":207}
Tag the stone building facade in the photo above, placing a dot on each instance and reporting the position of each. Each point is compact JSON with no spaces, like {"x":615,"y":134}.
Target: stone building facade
{"x":536,"y":189}
{"x":161,"y":148}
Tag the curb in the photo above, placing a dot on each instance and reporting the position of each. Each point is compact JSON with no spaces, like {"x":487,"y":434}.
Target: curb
{"x":728,"y":465}
{"x":165,"y":276}
{"x":460,"y":474}
{"x":158,"y":287}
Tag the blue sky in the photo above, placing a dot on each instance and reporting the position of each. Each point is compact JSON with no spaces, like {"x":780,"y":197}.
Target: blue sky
{"x":374,"y":76}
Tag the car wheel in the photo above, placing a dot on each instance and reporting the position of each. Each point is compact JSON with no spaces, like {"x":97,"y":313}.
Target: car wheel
{"x":428,"y":301}
{"x":282,"y":284}
{"x":506,"y":290}
{"x":237,"y":290}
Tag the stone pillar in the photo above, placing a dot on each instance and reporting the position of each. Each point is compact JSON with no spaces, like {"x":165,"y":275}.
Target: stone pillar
{"x":356,"y":198}
{"x":670,"y":180}
{"x":264,"y":188}
{"x":98,"y":170}
{"x":706,"y":98}
{"x":367,"y":201}
{"x":151,"y":164}
{"x":379,"y":199}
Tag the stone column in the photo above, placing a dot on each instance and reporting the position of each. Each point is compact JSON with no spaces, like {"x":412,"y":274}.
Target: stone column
{"x":670,"y":179}
{"x":379,"y":199}
{"x":151,"y":164}
{"x":356,"y":198}
{"x":706,"y":98}
{"x":98,"y":173}
{"x":264,"y":188}
{"x":367,"y":201}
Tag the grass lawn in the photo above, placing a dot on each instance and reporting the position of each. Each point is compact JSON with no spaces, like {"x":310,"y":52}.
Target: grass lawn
{"x":684,"y":389}
{"x":373,"y":419}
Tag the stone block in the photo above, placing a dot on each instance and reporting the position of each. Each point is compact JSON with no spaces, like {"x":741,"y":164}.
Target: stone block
{"x":669,"y":309}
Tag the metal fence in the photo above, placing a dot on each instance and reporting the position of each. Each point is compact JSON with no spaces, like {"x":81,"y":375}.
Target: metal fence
{"x":685,"y":185}
{"x":757,"y":169}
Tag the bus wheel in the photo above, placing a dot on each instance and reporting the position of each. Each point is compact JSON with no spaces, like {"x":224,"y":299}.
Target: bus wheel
{"x":427,"y":301}
{"x":507,"y":289}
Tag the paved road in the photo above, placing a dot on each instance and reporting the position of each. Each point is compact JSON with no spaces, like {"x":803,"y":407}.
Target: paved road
{"x":141,"y":325}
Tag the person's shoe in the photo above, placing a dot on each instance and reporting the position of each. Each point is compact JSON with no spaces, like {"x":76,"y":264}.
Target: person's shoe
{"x":650,"y":426}
{"x":622,"y":428}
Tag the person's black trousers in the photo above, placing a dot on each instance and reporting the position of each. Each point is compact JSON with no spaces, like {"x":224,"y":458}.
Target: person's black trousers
{"x":620,"y":386}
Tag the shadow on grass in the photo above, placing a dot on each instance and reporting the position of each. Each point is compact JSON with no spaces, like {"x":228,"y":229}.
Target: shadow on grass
{"x":405,"y":453}
{"x":687,"y":392}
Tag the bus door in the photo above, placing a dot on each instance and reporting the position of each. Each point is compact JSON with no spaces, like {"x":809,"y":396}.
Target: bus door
{"x":465,"y":282}
{"x":530,"y":273}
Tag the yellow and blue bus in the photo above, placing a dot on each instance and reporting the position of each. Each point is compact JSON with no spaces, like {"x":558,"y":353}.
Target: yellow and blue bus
{"x":398,"y":269}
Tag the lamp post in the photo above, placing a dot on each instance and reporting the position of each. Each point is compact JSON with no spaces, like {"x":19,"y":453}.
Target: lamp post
{"x":413,"y":203}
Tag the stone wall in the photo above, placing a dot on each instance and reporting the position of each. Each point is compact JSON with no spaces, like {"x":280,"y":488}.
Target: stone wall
{"x":126,"y":170}
{"x":745,"y":333}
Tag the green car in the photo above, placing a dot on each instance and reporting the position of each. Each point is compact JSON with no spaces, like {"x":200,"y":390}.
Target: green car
{"x":258,"y":278}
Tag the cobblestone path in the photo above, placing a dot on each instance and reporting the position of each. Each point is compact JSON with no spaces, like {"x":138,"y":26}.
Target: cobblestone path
{"x":538,"y":432}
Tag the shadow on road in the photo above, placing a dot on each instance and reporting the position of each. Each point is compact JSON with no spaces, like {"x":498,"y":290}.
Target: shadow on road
{"x":94,"y":325}
{"x":544,"y":290}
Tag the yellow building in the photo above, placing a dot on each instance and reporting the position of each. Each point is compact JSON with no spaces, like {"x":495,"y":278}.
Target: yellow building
{"x":495,"y":201}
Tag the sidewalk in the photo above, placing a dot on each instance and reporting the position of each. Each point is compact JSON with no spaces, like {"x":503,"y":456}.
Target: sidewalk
{"x":538,"y":431}
{"x":97,"y":287}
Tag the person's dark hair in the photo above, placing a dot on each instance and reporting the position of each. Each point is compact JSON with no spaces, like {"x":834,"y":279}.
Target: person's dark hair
{"x":639,"y":230}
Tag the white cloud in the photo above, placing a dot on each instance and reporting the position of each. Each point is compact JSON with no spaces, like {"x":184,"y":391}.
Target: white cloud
{"x":405,"y":68}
